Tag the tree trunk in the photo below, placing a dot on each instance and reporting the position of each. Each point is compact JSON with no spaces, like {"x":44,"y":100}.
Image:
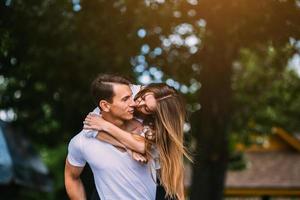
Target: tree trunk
{"x":210,"y":126}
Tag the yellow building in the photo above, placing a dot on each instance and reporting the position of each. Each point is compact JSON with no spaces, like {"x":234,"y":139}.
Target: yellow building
{"x":272,"y":169}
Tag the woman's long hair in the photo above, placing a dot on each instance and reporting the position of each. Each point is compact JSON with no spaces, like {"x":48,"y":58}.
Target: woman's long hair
{"x":168,"y":121}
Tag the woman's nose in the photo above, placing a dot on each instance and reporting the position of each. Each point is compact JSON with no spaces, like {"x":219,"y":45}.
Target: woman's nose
{"x":138,"y":101}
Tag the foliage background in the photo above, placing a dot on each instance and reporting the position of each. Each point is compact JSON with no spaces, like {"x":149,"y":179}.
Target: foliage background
{"x":236,"y":63}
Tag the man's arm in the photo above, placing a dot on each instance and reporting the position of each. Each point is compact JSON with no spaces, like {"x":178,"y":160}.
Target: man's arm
{"x":73,"y":184}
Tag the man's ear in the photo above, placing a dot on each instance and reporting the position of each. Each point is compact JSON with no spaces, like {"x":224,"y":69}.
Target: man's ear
{"x":104,"y":105}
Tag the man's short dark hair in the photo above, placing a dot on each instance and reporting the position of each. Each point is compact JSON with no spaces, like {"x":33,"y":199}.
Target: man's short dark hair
{"x":102,"y":86}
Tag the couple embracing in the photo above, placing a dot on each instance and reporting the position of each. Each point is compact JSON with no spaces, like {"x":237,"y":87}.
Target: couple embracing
{"x":133,"y":142}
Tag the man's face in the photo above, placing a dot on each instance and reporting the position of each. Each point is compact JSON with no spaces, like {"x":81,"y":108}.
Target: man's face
{"x":122,"y":105}
{"x":146,"y":104}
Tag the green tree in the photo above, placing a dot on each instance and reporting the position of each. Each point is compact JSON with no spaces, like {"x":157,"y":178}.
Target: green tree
{"x":266,"y":92}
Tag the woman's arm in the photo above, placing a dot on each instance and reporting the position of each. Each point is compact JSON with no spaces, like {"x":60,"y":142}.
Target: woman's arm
{"x":131,"y":141}
{"x":105,"y":137}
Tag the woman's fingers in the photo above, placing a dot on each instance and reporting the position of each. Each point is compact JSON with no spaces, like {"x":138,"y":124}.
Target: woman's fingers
{"x":89,"y":127}
{"x":143,"y":159}
{"x":135,"y":156}
{"x":93,"y":123}
{"x":90,"y":120}
{"x":92,"y":115}
{"x":86,"y":127}
{"x":138,"y":157}
{"x":86,"y":123}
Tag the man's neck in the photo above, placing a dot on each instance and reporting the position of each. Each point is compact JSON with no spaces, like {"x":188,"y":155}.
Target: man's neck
{"x":117,"y":122}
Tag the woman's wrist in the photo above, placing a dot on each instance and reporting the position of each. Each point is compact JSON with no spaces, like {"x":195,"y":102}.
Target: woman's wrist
{"x":107,"y":126}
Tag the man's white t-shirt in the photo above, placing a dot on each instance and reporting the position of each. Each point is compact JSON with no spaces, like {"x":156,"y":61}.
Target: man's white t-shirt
{"x":116,"y":174}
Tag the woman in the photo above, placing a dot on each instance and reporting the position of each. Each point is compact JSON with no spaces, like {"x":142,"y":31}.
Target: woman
{"x":162,"y":109}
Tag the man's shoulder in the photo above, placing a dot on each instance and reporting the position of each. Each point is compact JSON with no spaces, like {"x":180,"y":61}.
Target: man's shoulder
{"x":83,"y":138}
{"x":76,"y":151}
{"x":78,"y":138}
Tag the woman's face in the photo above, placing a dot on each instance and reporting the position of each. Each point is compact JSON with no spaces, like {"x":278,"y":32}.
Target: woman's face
{"x":146,"y":104}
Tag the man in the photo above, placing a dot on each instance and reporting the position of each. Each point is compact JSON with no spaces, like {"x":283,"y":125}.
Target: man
{"x":116,"y":174}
